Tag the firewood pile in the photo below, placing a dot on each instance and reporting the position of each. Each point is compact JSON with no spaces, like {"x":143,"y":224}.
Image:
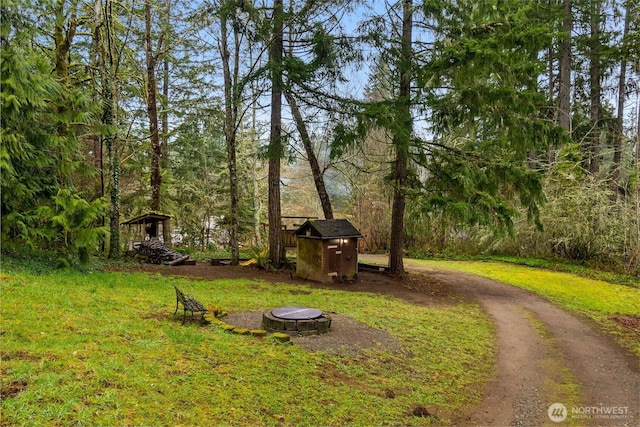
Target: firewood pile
{"x":155,"y":252}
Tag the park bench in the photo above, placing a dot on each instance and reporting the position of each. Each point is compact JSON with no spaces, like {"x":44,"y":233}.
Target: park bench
{"x":189,"y":303}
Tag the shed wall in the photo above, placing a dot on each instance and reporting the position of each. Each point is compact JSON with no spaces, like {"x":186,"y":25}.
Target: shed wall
{"x":309,"y":264}
{"x":320,"y":260}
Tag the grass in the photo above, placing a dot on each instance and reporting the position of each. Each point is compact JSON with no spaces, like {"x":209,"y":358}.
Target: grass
{"x":596,"y":299}
{"x":611,"y":273}
{"x":104,"y":349}
{"x":577,"y":269}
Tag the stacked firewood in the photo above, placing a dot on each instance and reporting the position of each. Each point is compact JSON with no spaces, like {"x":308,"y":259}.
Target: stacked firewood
{"x":155,"y":252}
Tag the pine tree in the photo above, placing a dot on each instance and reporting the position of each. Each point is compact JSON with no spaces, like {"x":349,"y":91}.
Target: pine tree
{"x":276,"y":148}
{"x":402,"y":141}
{"x":151,"y":59}
{"x":315,"y":52}
{"x":487,"y":111}
{"x":232,"y":98}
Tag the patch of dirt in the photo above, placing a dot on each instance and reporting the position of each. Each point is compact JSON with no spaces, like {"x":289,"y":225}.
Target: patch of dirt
{"x":210,"y":272}
{"x":347,"y":337}
{"x":630,"y":322}
{"x":12,"y":389}
{"x":20,"y":355}
{"x":415,"y":288}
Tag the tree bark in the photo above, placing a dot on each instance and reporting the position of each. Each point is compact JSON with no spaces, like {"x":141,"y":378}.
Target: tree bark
{"x":617,"y":143}
{"x":595,"y":79}
{"x":636,"y":257}
{"x":152,"y":110}
{"x":63,"y":39}
{"x":254,"y":170}
{"x":564,"y":89}
{"x":98,"y":64}
{"x":275,"y":136}
{"x":164,"y":114}
{"x":231,"y":116}
{"x":401,"y":142}
{"x":552,"y":86}
{"x":109,"y":137}
{"x":318,"y":179}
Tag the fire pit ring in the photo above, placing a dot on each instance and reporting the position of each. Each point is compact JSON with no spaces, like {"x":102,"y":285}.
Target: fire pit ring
{"x":294,"y":320}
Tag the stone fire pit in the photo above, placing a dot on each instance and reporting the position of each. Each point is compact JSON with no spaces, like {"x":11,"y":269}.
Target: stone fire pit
{"x":296,"y":320}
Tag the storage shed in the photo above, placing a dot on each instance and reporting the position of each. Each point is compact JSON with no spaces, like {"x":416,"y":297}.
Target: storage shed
{"x":327,"y":249}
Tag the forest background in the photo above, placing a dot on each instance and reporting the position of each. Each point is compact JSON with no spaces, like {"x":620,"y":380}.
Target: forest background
{"x":437,"y":128}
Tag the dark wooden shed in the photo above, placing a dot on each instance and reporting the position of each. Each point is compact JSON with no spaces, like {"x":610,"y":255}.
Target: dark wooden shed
{"x":327,"y":249}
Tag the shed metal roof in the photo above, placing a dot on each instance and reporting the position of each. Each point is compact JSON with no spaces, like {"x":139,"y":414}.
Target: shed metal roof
{"x":329,"y":229}
{"x":147,"y":218}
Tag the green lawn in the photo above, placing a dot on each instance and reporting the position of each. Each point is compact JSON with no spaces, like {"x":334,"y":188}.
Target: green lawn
{"x":104,"y":349}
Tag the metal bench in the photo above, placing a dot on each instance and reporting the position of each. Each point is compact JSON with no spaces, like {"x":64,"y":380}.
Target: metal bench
{"x":189,"y":303}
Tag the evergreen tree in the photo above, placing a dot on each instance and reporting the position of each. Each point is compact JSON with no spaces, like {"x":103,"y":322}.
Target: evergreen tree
{"x":276,"y":145}
{"x":316,"y":51}
{"x":151,"y":58}
{"x":489,"y":116}
{"x":476,"y":89}
{"x":42,"y":121}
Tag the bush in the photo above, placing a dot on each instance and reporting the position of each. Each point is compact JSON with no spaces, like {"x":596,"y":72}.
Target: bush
{"x":581,"y":223}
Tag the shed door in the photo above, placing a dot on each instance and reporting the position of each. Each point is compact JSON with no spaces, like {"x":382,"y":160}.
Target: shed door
{"x":333,"y":257}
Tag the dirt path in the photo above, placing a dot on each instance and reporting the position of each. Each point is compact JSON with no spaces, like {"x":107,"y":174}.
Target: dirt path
{"x":545,"y":355}
{"x":542,"y":350}
{"x":531,"y":368}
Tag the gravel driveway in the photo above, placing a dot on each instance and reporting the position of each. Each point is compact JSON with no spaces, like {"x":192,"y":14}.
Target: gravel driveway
{"x":541,"y":349}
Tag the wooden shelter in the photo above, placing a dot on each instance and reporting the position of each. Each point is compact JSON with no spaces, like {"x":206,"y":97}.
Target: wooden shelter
{"x":146,"y":227}
{"x":327,"y":249}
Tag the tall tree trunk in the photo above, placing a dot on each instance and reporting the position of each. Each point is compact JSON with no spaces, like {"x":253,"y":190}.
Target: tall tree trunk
{"x":114,"y":178}
{"x":231,"y":117}
{"x":617,"y":143}
{"x":275,"y":136}
{"x":164,"y":114}
{"x":152,"y":110}
{"x":551,"y":56}
{"x":634,"y":263}
{"x":595,"y":81}
{"x":401,"y":141}
{"x":97,"y":63}
{"x":254,"y":170}
{"x":564,"y":89}
{"x":551,"y":77}
{"x":311,"y":156}
{"x":638,"y":132}
{"x":257,"y":206}
{"x":107,"y":68}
